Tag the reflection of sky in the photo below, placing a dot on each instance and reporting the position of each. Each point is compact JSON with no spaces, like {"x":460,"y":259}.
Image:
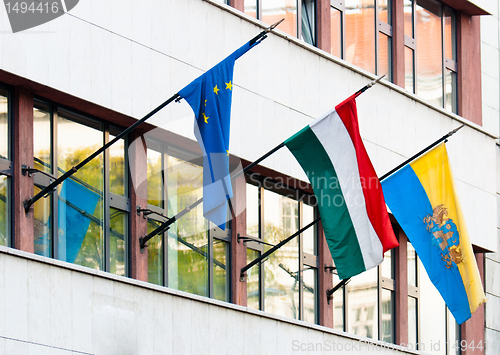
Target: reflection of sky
{"x":4,"y":134}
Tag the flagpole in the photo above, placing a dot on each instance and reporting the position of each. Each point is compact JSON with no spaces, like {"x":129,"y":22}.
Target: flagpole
{"x":166,"y":225}
{"x":49,"y":188}
{"x":444,"y":138}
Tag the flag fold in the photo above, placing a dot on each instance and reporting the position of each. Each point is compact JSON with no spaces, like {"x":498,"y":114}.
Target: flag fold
{"x":210,"y":96}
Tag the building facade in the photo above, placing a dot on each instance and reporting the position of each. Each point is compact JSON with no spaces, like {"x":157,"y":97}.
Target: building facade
{"x":74,"y":277}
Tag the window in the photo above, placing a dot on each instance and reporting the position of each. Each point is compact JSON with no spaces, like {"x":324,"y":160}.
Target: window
{"x":355,"y":38}
{"x":298,"y":24}
{"x":286,"y":283}
{"x":430,"y":52}
{"x":193,"y":255}
{"x":91,"y":208}
{"x":5,"y":168}
{"x":365,"y":306}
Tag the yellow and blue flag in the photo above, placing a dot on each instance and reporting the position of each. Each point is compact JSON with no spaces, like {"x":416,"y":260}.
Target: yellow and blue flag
{"x":209,"y":96}
{"x":422,"y":198}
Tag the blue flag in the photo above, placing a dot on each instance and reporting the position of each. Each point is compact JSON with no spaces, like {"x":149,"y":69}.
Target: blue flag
{"x":209,"y":96}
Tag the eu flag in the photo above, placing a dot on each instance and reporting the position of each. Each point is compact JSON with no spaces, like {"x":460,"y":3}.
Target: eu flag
{"x":209,"y":96}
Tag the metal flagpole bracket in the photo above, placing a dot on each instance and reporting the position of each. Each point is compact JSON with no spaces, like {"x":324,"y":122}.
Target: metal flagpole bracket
{"x":252,"y":239}
{"x":330,"y":268}
{"x":329,"y":293}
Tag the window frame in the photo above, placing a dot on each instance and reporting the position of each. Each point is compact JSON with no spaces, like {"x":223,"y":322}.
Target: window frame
{"x":6,"y":165}
{"x":110,"y":200}
{"x":446,"y":63}
{"x":298,"y":24}
{"x":380,"y":28}
{"x":305,"y":259}
{"x":160,"y":215}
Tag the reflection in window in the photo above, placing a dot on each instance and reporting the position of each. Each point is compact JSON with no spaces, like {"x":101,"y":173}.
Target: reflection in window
{"x":360,"y":33}
{"x":272,"y":11}
{"x":281,"y":271}
{"x":155,"y":255}
{"x":118,"y":221}
{"x":188,"y":240}
{"x":429,"y":54}
{"x":4,"y":180}
{"x":338,"y":305}
{"x":412,"y":321}
{"x":42,"y":127}
{"x":309,"y":291}
{"x":253,"y":288}
{"x":412,"y":265}
{"x":387,"y":331}
{"x":4,"y":125}
{"x":182,"y":257}
{"x":336,"y":32}
{"x":80,"y":207}
{"x":284,"y":283}
{"x":432,"y":312}
{"x":221,"y":258}
{"x":77,"y":207}
{"x":4,"y":210}
{"x":362,"y":300}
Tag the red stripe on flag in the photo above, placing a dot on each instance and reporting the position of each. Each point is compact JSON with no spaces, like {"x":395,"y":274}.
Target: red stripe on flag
{"x":372,"y":190}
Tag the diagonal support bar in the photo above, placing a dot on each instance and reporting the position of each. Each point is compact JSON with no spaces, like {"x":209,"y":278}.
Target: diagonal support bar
{"x":28,"y":203}
{"x":272,"y":250}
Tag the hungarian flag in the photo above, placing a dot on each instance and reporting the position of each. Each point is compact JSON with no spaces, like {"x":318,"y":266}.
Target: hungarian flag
{"x":349,"y":195}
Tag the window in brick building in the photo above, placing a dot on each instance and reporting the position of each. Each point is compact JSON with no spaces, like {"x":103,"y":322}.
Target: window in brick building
{"x":91,"y":208}
{"x":193,"y":255}
{"x":5,"y":169}
{"x":365,"y":306}
{"x":286,"y":282}
{"x":430,"y":52}
{"x":299,"y":24}
{"x":356,"y":38}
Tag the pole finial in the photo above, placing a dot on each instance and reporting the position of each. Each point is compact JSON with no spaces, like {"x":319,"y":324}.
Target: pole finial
{"x":455,"y":130}
{"x":272,"y":27}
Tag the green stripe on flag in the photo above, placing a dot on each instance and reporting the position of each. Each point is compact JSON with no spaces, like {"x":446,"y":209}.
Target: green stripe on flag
{"x":337,"y":224}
